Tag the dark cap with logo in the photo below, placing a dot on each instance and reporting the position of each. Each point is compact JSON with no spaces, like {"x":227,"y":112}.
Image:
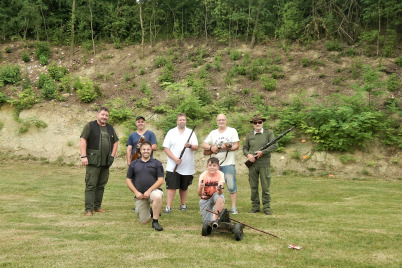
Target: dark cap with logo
{"x":140,"y":117}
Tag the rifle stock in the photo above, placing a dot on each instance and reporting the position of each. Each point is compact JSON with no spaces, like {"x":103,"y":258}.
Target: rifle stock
{"x":137,"y":153}
{"x":248,"y":163}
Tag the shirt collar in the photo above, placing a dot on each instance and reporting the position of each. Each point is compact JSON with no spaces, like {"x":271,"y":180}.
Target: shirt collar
{"x":262,"y":131}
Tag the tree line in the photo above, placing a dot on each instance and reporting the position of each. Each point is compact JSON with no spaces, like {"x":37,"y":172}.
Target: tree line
{"x":145,"y":21}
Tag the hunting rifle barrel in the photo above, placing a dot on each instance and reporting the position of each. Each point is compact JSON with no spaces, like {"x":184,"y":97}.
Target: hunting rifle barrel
{"x":182,"y":152}
{"x":248,"y":163}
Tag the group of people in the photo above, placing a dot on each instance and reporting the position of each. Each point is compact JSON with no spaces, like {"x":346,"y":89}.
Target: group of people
{"x":145,"y":174}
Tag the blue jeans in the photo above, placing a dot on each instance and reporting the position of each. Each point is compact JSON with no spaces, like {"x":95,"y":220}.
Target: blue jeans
{"x":230,"y":177}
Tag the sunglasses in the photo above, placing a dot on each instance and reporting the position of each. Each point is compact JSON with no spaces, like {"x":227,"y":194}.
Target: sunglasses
{"x":258,"y":122}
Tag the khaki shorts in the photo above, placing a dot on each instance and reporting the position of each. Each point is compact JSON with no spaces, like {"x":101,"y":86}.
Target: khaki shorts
{"x":142,"y":206}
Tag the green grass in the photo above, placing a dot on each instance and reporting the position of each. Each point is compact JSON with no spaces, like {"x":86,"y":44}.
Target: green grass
{"x":338,"y":222}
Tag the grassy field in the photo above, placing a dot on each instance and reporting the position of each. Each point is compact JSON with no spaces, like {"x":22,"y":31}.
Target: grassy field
{"x":338,"y":222}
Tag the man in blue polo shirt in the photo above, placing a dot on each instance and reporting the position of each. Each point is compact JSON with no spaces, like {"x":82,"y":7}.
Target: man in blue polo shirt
{"x":144,"y":178}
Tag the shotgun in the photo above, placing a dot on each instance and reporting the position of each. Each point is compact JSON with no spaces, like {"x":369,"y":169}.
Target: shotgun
{"x":137,"y":153}
{"x":182,"y":152}
{"x":248,"y":163}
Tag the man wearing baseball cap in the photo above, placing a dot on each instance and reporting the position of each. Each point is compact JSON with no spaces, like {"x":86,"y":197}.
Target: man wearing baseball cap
{"x":133,"y":139}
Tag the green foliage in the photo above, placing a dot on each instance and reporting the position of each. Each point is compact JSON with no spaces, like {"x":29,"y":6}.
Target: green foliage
{"x":8,"y":50}
{"x":42,"y":50}
{"x":356,"y":69}
{"x":160,"y":61}
{"x":10,"y":74}
{"x":276,"y":71}
{"x":56,"y":72}
{"x":347,"y":158}
{"x":333,"y":45}
{"x":235,"y":54}
{"x":255,"y":69}
{"x":145,"y":89}
{"x":30,"y":121}
{"x":119,"y":112}
{"x":292,"y":25}
{"x":167,"y":75}
{"x":49,"y":89}
{"x":217,"y":62}
{"x":87,"y":90}
{"x":305,"y":62}
{"x":398,"y":61}
{"x":3,"y":98}
{"x":350,"y":52}
{"x":25,"y":56}
{"x":343,"y":125}
{"x":201,"y":91}
{"x":66,"y":83}
{"x":393,"y":82}
{"x":43,"y":77}
{"x":267,"y":82}
{"x":43,"y":60}
{"x":27,"y":98}
{"x":227,"y":102}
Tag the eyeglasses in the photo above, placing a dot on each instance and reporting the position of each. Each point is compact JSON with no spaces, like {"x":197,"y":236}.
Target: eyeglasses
{"x":258,"y":122}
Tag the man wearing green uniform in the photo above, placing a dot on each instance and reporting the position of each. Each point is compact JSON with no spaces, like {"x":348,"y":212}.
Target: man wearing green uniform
{"x":261,"y":159}
{"x":98,"y":146}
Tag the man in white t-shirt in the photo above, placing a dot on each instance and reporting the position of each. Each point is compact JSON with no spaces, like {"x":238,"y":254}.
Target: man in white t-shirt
{"x":223,"y":142}
{"x":175,"y":141}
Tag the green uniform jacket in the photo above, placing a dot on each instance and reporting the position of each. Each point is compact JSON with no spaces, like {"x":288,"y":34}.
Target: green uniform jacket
{"x":254,"y":143}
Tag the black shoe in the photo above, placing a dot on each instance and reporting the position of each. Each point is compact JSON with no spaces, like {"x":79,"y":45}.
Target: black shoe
{"x":156,"y":226}
{"x":268,"y":212}
{"x":254,"y":210}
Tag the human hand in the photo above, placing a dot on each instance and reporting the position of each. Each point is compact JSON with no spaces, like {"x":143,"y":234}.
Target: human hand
{"x":259,"y":154}
{"x":84,"y":161}
{"x":139,"y":195}
{"x":251,"y":158}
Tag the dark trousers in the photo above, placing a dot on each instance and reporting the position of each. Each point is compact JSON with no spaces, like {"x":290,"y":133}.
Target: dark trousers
{"x":95,"y":181}
{"x":255,"y":174}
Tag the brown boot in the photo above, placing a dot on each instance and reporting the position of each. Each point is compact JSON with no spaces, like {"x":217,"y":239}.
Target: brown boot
{"x":88,"y":213}
{"x":100,"y":210}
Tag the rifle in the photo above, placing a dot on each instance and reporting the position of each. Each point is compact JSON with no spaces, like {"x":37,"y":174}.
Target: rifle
{"x":137,"y":153}
{"x":248,"y":163}
{"x":182,"y":152}
{"x":209,"y":152}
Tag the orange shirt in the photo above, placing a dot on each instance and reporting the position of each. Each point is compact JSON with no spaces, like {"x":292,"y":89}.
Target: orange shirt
{"x":211,"y":182}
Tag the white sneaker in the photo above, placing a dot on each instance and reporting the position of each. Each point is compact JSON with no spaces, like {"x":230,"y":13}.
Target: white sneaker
{"x":234,"y":210}
{"x":183,"y":207}
{"x":167,"y":210}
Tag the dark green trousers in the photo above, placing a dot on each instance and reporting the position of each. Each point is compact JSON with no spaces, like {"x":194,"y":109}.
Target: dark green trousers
{"x":95,"y":181}
{"x":256,"y":173}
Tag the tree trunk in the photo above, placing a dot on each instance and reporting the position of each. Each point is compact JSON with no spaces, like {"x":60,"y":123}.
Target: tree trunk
{"x":205,"y":21}
{"x":92,"y":28}
{"x":255,"y":25}
{"x":72,"y":29}
{"x":142,"y":29}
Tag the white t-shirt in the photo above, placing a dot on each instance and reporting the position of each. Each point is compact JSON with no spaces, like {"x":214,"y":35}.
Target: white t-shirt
{"x":174,"y":140}
{"x":215,"y":138}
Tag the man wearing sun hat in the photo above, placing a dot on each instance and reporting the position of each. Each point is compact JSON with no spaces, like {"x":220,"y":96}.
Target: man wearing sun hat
{"x":261,"y":167}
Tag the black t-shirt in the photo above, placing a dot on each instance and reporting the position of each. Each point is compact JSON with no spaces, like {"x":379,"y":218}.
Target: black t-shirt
{"x":144,"y":174}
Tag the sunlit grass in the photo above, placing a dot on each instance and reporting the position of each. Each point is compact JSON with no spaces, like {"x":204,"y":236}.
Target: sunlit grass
{"x":338,"y":222}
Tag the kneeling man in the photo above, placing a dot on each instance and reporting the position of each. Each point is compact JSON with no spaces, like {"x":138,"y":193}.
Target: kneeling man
{"x":144,"y":178}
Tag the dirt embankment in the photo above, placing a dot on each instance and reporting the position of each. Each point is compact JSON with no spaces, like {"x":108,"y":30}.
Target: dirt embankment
{"x":60,"y":140}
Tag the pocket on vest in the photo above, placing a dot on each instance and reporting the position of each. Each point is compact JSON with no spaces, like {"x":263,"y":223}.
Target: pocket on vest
{"x":94,"y":157}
